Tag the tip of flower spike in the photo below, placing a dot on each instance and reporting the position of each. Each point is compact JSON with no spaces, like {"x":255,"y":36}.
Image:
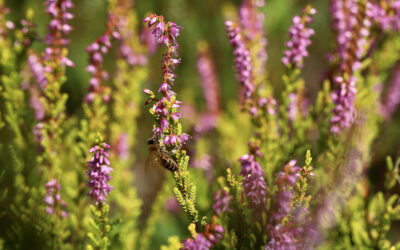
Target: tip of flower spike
{"x":148,"y":92}
{"x":228,"y":23}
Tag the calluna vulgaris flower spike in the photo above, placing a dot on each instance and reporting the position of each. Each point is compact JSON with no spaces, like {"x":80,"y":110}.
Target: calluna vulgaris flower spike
{"x":96,"y":51}
{"x":252,"y":22}
{"x":99,"y":171}
{"x":243,"y":66}
{"x":53,"y":199}
{"x":47,"y":69}
{"x":284,"y":235}
{"x":254,"y":185}
{"x":210,"y":84}
{"x":166,"y":109}
{"x":352,"y":25}
{"x":299,"y":34}
{"x":57,"y":9}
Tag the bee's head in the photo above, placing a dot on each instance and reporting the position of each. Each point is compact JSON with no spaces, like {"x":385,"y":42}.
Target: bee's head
{"x":152,"y":141}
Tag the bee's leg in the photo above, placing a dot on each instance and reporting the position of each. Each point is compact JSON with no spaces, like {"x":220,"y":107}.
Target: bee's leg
{"x":173,"y":151}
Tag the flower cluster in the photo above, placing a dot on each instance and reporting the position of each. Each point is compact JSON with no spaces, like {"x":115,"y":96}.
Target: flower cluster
{"x":58,"y":27}
{"x":283,"y":235}
{"x":53,"y":199}
{"x":242,"y":59}
{"x":53,"y":54}
{"x":37,"y":68}
{"x":344,"y":110}
{"x":222,"y":200}
{"x":210,"y":84}
{"x":387,"y":14}
{"x":127,"y":48}
{"x":96,"y":51}
{"x":352,"y":22}
{"x":254,"y":185}
{"x":206,"y":240}
{"x":264,"y":106}
{"x":99,"y":171}
{"x":285,"y":181}
{"x":149,"y":41}
{"x":297,"y":106}
{"x":299,"y":34}
{"x":282,"y":238}
{"x":166,"y":109}
{"x":252,"y":23}
{"x":123,"y":146}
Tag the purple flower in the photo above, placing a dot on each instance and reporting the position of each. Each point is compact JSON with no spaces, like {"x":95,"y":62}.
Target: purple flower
{"x":97,"y":50}
{"x":255,"y":188}
{"x":123,"y":146}
{"x":159,"y":30}
{"x":285,"y":181}
{"x":166,"y":107}
{"x":99,"y":171}
{"x":284,"y":236}
{"x":386,"y":14}
{"x":297,"y":107}
{"x":206,"y":240}
{"x":281,"y":238}
{"x":37,"y":105}
{"x":352,"y":25}
{"x":344,"y":110}
{"x":37,"y":132}
{"x":242,"y":60}
{"x":200,"y":243}
{"x":149,"y":40}
{"x":208,"y":80}
{"x":38,"y":70}
{"x":53,"y":199}
{"x":299,"y":34}
{"x":252,"y":24}
{"x":58,"y":11}
{"x":222,"y":200}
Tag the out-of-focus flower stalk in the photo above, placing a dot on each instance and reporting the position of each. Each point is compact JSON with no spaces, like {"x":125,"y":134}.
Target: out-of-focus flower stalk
{"x":290,"y":203}
{"x":210,"y":84}
{"x":386,"y":14}
{"x":55,"y":205}
{"x":252,"y":21}
{"x":351,"y":22}
{"x":207,"y":121}
{"x":50,"y":74}
{"x":294,"y":109}
{"x":130,"y":74}
{"x":256,"y":101}
{"x":96,"y":51}
{"x":299,"y":34}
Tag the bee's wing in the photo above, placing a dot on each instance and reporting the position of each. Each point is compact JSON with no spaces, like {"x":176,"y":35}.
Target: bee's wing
{"x":151,"y":162}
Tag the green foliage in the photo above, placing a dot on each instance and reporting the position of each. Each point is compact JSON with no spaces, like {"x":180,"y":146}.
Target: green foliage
{"x":101,"y":227}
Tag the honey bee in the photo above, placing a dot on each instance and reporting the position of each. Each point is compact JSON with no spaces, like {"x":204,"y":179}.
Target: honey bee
{"x":161,"y":155}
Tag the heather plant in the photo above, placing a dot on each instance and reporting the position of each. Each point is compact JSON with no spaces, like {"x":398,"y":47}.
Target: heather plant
{"x":270,"y":125}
